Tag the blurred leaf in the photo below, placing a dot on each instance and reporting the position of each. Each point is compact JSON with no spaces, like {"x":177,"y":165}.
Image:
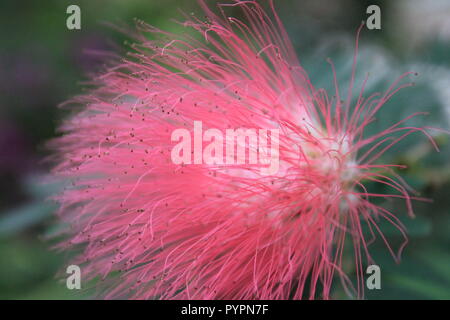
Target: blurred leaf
{"x":439,"y":262}
{"x":24,"y":217}
{"x":427,"y":289}
{"x":25,"y":264}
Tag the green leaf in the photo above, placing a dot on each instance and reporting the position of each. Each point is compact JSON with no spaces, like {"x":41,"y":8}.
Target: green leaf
{"x":24,"y":217}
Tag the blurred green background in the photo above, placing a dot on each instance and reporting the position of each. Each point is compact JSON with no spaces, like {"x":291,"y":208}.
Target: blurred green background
{"x":42,"y":63}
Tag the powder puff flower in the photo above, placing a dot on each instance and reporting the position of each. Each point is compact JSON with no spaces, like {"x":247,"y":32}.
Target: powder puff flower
{"x":153,"y":227}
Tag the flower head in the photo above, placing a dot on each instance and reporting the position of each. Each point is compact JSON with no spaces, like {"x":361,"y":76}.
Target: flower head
{"x":218,"y":229}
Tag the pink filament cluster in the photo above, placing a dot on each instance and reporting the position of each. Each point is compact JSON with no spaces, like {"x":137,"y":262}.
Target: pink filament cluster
{"x":159,"y":230}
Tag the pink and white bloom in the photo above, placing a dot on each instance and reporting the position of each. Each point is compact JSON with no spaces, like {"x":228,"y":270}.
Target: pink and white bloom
{"x":215,"y":231}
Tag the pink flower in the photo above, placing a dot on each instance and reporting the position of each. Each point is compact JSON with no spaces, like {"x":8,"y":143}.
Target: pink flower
{"x":222,"y":231}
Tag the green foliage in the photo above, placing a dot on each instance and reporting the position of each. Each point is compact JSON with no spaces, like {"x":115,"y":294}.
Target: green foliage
{"x":29,"y":269}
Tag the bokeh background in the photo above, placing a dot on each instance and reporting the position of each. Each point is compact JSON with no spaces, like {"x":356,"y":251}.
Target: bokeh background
{"x":42,"y":63}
